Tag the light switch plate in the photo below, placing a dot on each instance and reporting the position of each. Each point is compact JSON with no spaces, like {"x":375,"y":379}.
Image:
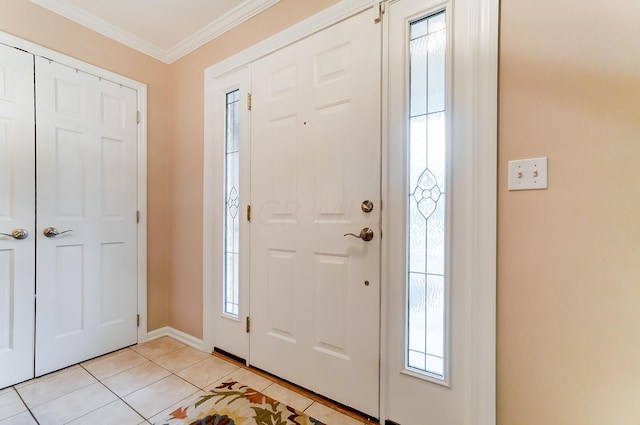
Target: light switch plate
{"x":528,"y":174}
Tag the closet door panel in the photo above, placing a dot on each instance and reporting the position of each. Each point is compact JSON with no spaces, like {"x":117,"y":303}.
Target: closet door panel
{"x":17,"y":206}
{"x":86,"y":172}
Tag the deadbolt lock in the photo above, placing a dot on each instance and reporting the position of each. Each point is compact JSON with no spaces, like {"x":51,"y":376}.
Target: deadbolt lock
{"x":367,"y":206}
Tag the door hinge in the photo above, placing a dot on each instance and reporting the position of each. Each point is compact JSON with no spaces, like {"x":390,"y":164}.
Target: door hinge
{"x":378,"y":11}
{"x":248,"y":324}
{"x":138,"y":320}
{"x":249,"y":212}
{"x":248,"y":101}
{"x":137,"y":117}
{"x":137,"y":216}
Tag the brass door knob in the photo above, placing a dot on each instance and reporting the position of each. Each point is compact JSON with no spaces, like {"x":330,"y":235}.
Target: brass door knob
{"x":52,"y":232}
{"x":366,"y":234}
{"x":17,"y":234}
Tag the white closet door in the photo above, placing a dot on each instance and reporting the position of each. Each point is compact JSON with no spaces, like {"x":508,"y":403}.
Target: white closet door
{"x":315,"y":158}
{"x":17,"y":211}
{"x":86,"y":191}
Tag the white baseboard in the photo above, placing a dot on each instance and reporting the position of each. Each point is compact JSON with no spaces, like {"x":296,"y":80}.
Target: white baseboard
{"x":183,"y":337}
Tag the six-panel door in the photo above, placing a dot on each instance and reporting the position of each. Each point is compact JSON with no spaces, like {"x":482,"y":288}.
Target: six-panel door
{"x":315,"y":157}
{"x":86,"y":187}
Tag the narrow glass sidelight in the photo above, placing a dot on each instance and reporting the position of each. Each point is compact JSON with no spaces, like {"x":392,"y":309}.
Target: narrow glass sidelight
{"x":426,"y":194}
{"x":232,"y":205}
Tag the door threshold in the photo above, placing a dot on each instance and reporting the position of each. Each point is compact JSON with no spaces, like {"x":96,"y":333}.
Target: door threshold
{"x":318,"y":398}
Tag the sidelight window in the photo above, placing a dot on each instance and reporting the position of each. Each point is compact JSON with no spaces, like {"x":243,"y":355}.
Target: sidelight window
{"x":232,"y":204}
{"x":426,"y":195}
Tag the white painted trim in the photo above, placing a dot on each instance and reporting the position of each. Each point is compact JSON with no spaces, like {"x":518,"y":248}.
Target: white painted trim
{"x":211,"y":179}
{"x":183,"y":337}
{"x":244,"y":11}
{"x":485,"y":15}
{"x":103,"y":27}
{"x":63,"y":59}
{"x":236,"y":16}
{"x":211,"y":188}
{"x":385,"y":252}
{"x":142,"y":208}
{"x":141,"y":89}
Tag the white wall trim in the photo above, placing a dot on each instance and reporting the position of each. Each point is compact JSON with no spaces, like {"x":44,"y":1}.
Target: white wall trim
{"x":141,"y":89}
{"x":210,"y":196}
{"x":63,"y":59}
{"x":485,"y":16}
{"x":244,"y":11}
{"x":183,"y":337}
{"x":142,"y":208}
{"x":103,"y":27}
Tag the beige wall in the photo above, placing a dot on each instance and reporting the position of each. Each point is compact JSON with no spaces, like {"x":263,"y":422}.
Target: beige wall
{"x":33,"y":23}
{"x":187,"y":102}
{"x":569,"y":256}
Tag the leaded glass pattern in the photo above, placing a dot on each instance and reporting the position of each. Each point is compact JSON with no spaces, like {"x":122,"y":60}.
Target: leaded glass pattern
{"x":232,"y":204}
{"x":426,"y":197}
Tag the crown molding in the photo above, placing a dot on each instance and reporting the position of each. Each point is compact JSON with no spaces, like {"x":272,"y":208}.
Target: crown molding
{"x":244,"y":11}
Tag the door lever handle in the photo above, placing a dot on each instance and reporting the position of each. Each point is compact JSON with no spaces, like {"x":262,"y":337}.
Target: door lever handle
{"x":52,"y":232}
{"x":17,"y":234}
{"x":366,"y":234}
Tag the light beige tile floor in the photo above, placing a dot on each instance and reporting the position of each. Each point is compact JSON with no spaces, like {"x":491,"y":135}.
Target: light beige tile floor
{"x":138,"y":385}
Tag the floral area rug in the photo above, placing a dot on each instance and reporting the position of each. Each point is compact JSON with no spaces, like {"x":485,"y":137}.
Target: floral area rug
{"x":232,"y":403}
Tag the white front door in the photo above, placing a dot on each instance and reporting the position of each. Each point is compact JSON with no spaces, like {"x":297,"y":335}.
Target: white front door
{"x":86,"y":223}
{"x":315,"y":159}
{"x":17,"y":212}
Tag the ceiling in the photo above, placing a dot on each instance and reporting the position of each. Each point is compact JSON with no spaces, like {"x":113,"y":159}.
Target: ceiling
{"x":163,"y":29}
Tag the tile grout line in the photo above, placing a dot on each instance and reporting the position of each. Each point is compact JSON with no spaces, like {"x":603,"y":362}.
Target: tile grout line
{"x":55,"y":398}
{"x":145,"y":419}
{"x":118,"y":397}
{"x":160,"y":366}
{"x":25,"y":405}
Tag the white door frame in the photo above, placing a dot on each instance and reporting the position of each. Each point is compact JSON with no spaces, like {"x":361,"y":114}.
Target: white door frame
{"x":141,"y":89}
{"x":481,"y":79}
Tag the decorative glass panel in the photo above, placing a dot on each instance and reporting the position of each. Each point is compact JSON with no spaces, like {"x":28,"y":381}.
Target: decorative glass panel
{"x":232,"y":204}
{"x":426,"y":198}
